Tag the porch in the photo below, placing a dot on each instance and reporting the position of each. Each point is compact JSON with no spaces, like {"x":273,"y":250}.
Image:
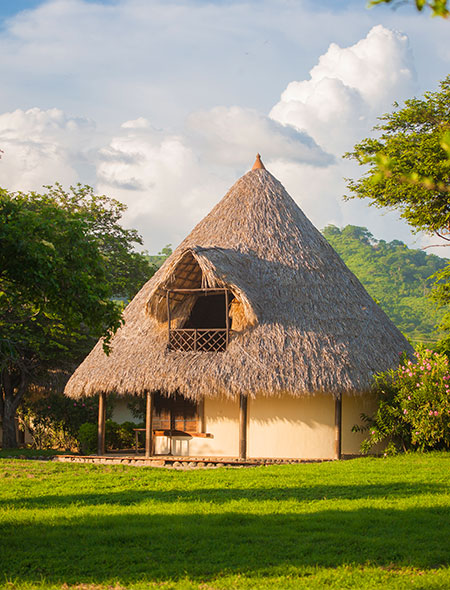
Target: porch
{"x":220,"y":429}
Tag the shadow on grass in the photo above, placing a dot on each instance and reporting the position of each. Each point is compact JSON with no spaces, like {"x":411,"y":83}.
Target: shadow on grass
{"x":216,"y":495}
{"x":139,"y":545}
{"x":30,"y":453}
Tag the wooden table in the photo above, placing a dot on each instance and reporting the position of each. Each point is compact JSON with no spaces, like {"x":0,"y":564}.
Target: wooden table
{"x":170,"y":434}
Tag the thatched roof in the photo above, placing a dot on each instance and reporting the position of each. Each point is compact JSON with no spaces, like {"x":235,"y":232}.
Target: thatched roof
{"x":309,"y":324}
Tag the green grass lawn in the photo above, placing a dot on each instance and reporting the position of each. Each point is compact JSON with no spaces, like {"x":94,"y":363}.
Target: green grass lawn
{"x":366,"y":524}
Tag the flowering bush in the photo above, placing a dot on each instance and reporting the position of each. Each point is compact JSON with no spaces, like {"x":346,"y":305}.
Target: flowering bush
{"x":414,"y":405}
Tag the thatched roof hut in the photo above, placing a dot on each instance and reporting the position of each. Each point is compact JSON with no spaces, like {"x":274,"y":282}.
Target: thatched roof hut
{"x":306,"y":324}
{"x":253,"y":304}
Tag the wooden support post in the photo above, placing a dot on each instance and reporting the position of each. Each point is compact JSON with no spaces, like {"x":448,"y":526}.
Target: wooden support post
{"x":243,"y":403}
{"x":149,"y":426}
{"x":227,"y":319}
{"x":338,"y":427}
{"x":101,"y":423}
{"x":168,"y":316}
{"x":201,"y":425}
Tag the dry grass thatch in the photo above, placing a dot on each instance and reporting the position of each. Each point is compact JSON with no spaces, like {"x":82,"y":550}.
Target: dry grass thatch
{"x":305,"y":322}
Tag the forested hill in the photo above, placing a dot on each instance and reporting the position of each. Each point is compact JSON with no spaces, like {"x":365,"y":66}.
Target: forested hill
{"x":396,"y":276}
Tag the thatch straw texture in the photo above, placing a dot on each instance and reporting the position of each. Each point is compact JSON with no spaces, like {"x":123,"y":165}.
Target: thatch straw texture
{"x":306,"y":323}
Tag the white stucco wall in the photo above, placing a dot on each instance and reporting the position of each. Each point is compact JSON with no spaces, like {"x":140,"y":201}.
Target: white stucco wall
{"x":352,"y":408}
{"x":120,"y":412}
{"x":221,"y":419}
{"x":286,"y":427}
{"x":291,"y":428}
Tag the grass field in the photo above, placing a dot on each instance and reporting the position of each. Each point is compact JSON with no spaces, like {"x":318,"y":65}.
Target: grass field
{"x":367,"y":524}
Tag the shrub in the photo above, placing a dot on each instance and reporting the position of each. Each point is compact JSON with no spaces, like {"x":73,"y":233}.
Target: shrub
{"x":119,"y":436}
{"x":87,"y":438}
{"x":127,"y":435}
{"x":54,"y":420}
{"x":414,"y":405}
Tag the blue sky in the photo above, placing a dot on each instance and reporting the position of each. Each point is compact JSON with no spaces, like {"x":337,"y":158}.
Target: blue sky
{"x":164,"y":103}
{"x":10,"y":7}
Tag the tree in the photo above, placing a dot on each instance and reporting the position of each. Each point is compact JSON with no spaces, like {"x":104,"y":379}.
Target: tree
{"x":437,"y":7}
{"x":413,"y":406}
{"x":158,"y":259}
{"x":61,"y":256}
{"x":126,"y":269}
{"x":409,"y":167}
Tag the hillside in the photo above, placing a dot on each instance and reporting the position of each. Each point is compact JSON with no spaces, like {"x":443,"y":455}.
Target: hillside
{"x":396,"y":276}
{"x":158,"y":259}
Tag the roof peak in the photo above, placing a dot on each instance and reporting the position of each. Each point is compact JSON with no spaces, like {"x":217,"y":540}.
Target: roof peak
{"x":258,"y":165}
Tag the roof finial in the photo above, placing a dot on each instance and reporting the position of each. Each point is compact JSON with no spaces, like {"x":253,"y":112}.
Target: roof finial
{"x":258,"y":165}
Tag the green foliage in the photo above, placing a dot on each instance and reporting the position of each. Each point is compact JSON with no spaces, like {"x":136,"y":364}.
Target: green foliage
{"x":63,"y":256}
{"x":126,"y":269}
{"x":414,"y":405}
{"x":57,"y":422}
{"x":119,"y":436}
{"x":397,"y":277}
{"x":53,"y":293}
{"x":28,"y":453}
{"x":87,"y":438}
{"x":159,"y":259}
{"x":437,"y":7}
{"x":408,"y":163}
{"x":52,"y":278}
{"x":409,"y":169}
{"x":366,"y":524}
{"x":54,"y":420}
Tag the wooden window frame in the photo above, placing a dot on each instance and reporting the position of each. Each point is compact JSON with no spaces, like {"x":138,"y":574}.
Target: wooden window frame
{"x":198,"y":339}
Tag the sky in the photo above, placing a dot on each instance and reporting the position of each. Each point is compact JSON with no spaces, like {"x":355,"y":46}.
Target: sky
{"x":163,"y":104}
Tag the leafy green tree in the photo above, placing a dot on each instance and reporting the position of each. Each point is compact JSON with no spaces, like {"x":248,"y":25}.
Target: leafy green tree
{"x":62,"y":257}
{"x":159,"y":259}
{"x":126,"y":269}
{"x":409,"y":169}
{"x":408,"y":164}
{"x":437,"y":7}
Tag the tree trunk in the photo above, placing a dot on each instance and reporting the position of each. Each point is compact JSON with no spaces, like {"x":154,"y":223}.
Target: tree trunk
{"x":12,"y":394}
{"x":9,"y":438}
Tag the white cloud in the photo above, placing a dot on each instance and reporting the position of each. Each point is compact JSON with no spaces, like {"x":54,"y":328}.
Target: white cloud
{"x":159,"y":178}
{"x":232,"y":136}
{"x":163,"y":59}
{"x":169,"y":182}
{"x":338,"y":106}
{"x":42,"y":147}
{"x":348,"y":88}
{"x":172,"y":62}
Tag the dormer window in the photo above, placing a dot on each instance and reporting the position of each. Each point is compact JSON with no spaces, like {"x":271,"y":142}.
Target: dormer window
{"x":207,"y":328}
{"x":201,"y":307}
